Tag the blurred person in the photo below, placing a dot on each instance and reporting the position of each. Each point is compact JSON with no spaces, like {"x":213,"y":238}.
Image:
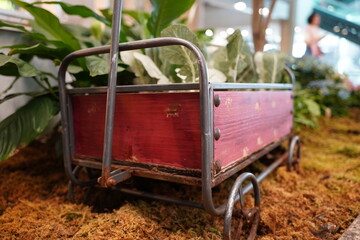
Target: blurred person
{"x":313,"y":35}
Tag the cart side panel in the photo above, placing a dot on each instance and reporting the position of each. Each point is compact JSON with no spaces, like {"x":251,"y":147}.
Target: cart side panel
{"x":149,"y":128}
{"x":248,"y":121}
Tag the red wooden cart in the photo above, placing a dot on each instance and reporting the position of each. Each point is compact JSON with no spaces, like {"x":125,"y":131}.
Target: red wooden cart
{"x":199,"y":137}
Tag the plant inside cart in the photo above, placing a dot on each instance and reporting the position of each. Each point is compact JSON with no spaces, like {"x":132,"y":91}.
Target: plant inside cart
{"x":50,"y":39}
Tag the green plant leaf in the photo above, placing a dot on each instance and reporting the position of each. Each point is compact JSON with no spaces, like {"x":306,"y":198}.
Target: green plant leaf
{"x":164,"y":12}
{"x":42,"y":51}
{"x":235,"y":57}
{"x":269,"y":66}
{"x":135,"y":66}
{"x":50,"y":24}
{"x":78,"y":10}
{"x":313,"y":107}
{"x":34,"y":36}
{"x":13,"y":66}
{"x":23,"y":126}
{"x":151,"y":68}
{"x":216,"y":75}
{"x":29,"y":94}
{"x":99,"y":65}
{"x":18,"y":27}
{"x":180,"y":55}
{"x":138,"y":16}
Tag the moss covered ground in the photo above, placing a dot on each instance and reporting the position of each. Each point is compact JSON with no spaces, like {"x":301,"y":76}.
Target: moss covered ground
{"x":319,"y":202}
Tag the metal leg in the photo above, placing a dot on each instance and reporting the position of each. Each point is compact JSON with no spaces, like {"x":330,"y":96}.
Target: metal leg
{"x":71,"y":185}
{"x":294,"y":154}
{"x":244,"y":215}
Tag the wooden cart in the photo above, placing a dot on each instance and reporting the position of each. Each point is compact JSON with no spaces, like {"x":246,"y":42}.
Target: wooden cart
{"x":166,"y":132}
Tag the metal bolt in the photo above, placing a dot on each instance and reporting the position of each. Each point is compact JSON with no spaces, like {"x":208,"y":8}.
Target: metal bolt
{"x":217,"y":134}
{"x":217,"y":166}
{"x":217,"y":100}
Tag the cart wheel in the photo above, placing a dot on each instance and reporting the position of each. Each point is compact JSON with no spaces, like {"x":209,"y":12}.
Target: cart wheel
{"x":242,"y":215}
{"x":72,"y":186}
{"x":294,"y":154}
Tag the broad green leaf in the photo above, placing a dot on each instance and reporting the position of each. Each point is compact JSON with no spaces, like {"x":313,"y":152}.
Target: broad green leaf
{"x":78,"y":10}
{"x":219,"y":60}
{"x":248,"y":73}
{"x":23,"y":126}
{"x":313,"y":107}
{"x":141,"y":19}
{"x":180,"y":55}
{"x":138,"y":16}
{"x":269,"y":66}
{"x":151,"y":68}
{"x":12,"y":66}
{"x":96,"y":30}
{"x":74,"y":69}
{"x":107,"y":14}
{"x":99,"y":65}
{"x":42,"y":51}
{"x":164,"y":12}
{"x":135,"y":66}
{"x":34,"y":36}
{"x":235,"y":58}
{"x":18,"y":27}
{"x":216,"y":76}
{"x":50,"y":24}
{"x":29,"y":94}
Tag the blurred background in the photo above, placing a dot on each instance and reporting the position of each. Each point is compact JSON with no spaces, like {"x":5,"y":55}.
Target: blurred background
{"x":340,"y":21}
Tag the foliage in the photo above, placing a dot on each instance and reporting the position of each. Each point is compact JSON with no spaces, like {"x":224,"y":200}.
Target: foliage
{"x":180,"y":55}
{"x":26,"y":123}
{"x":327,"y":87}
{"x":164,"y":12}
{"x":52,"y":40}
{"x":306,"y":109}
{"x":269,"y":66}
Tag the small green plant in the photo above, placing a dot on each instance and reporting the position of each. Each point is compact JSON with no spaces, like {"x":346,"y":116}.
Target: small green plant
{"x":307,"y":110}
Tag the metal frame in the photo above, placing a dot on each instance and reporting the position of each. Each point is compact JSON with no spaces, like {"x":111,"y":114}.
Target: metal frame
{"x":206,"y":91}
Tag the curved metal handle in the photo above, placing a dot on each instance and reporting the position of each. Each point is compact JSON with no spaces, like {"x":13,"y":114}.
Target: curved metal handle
{"x":291,"y":75}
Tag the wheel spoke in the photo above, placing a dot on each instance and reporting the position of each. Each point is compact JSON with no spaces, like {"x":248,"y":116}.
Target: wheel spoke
{"x":251,"y":216}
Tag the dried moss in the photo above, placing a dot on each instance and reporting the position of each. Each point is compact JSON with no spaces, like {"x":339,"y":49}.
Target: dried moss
{"x":317,"y":203}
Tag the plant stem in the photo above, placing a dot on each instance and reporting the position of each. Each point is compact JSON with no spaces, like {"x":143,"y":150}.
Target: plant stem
{"x":192,"y":68}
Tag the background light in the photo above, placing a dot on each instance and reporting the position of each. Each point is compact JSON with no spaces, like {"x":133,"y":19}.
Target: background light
{"x":230,"y":31}
{"x":209,"y":33}
{"x":240,"y":6}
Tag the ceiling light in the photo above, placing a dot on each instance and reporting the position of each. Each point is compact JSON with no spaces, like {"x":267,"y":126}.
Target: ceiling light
{"x":264,"y":11}
{"x":230,"y":31}
{"x":209,"y":33}
{"x":240,"y":6}
{"x":245,"y":33}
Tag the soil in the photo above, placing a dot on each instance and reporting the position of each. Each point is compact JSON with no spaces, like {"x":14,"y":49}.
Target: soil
{"x":318,"y":202}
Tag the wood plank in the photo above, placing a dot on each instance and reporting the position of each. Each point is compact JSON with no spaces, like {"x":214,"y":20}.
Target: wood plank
{"x":250,"y":120}
{"x":153,"y":128}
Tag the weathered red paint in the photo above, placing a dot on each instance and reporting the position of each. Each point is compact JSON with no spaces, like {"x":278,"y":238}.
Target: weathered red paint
{"x":250,"y":120}
{"x":153,"y":128}
{"x":164,"y":128}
